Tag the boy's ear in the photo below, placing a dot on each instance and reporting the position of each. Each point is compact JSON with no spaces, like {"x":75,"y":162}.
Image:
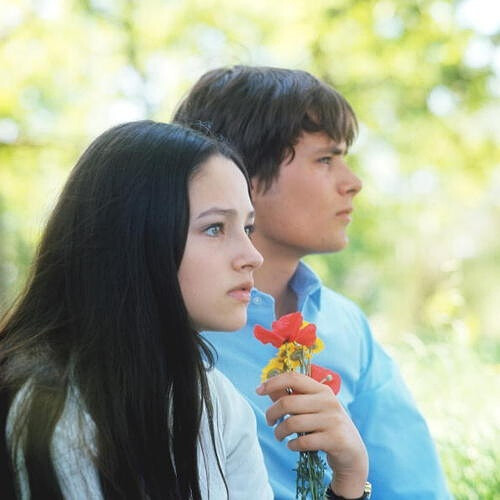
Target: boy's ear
{"x":254,"y":186}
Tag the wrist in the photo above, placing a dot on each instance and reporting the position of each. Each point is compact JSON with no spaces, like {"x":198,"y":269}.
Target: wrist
{"x":349,"y":475}
{"x":364,"y":494}
{"x":350,"y":483}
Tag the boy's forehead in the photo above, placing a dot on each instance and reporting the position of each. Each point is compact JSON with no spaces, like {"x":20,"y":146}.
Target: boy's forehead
{"x":308,"y":145}
{"x":320,"y":142}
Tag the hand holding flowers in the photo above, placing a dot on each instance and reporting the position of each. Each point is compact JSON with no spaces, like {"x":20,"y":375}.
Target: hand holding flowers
{"x":313,"y":412}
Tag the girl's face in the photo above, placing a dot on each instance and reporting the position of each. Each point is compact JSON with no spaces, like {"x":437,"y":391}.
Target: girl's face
{"x":215,"y":273}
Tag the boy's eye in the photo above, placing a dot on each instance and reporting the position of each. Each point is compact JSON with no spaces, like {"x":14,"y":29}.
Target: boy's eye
{"x":250,"y":229}
{"x":326,"y":159}
{"x":214,"y":229}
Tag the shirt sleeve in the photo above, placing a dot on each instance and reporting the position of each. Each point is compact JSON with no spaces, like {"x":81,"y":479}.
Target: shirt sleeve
{"x":403,"y":459}
{"x":73,"y":446}
{"x":71,"y":451}
{"x":245,"y":472}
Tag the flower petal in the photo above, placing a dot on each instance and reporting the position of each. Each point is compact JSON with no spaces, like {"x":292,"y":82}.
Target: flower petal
{"x":274,"y":367}
{"x":306,"y":336}
{"x":333,"y":379}
{"x":288,"y":325}
{"x":267,"y":336}
{"x":318,"y":345}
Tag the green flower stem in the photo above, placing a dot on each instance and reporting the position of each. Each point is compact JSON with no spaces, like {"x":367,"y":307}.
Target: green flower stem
{"x":310,"y":470}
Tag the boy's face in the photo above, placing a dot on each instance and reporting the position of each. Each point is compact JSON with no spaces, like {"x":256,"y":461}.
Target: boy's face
{"x":308,"y":207}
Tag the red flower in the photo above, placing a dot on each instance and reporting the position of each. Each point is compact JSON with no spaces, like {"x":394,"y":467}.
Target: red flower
{"x":327,"y":377}
{"x":287,"y":329}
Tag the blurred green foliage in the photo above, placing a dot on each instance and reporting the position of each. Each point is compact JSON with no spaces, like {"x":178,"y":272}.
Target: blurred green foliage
{"x":424,"y":79}
{"x":455,"y":389}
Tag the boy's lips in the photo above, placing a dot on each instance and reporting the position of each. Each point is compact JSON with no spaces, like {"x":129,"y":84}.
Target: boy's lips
{"x":345,"y":211}
{"x":345,"y":214}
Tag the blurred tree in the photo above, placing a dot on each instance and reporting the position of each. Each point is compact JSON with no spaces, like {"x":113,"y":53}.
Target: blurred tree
{"x":424,"y":79}
{"x":423,"y":76}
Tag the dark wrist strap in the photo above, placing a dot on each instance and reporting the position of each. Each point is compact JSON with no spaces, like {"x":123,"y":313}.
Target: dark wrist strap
{"x":367,"y":493}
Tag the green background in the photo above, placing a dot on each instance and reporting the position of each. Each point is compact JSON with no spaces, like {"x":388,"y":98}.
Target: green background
{"x":424,"y":79}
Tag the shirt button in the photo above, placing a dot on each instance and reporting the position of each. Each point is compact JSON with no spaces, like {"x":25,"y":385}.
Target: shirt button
{"x":257,"y":300}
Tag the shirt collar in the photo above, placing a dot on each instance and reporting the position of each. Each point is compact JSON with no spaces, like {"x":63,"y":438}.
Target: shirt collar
{"x":304,"y":282}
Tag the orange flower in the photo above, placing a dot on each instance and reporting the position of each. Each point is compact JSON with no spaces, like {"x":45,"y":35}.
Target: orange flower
{"x":327,"y":377}
{"x":289,"y":328}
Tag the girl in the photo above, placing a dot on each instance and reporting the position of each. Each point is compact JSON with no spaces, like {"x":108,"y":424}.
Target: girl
{"x":105,"y":387}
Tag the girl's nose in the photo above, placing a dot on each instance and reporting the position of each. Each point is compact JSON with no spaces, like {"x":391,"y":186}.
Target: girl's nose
{"x":249,"y":258}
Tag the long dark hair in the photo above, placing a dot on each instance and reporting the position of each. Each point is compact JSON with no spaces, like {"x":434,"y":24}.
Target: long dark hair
{"x":102,"y":313}
{"x":263,"y":110}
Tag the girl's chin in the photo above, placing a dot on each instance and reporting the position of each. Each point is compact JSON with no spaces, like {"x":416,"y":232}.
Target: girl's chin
{"x":227,"y":326}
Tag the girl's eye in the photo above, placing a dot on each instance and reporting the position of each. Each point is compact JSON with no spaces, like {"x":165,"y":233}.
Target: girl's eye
{"x":326,"y":159}
{"x":214,"y":229}
{"x":250,"y":229}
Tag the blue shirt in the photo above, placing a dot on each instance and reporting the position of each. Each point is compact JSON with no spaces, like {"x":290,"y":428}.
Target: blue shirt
{"x":403,"y":459}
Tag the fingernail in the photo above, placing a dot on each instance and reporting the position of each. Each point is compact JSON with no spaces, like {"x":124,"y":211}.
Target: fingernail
{"x":260,"y":389}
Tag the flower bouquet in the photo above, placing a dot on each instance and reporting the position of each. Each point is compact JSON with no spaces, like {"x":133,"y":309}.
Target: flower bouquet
{"x":296,"y":342}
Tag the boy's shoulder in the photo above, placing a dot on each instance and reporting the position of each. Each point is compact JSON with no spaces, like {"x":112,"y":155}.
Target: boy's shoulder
{"x":335,"y":302}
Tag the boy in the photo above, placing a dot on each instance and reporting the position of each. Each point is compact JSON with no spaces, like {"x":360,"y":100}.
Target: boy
{"x":293,"y":133}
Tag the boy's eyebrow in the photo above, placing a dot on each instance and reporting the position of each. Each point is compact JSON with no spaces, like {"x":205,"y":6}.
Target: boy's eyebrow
{"x":228,"y":212}
{"x":336,"y":150}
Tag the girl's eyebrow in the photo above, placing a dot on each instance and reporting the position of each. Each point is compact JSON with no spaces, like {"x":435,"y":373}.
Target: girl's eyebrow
{"x":228,"y":212}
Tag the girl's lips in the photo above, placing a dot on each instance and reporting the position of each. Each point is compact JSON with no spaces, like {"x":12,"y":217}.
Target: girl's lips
{"x":240,"y":295}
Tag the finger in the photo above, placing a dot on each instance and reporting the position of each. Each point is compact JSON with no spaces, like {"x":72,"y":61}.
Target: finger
{"x":308,"y":442}
{"x":282,"y":392}
{"x":318,"y":404}
{"x":295,"y":424}
{"x":288,"y":405}
{"x":276,"y":386}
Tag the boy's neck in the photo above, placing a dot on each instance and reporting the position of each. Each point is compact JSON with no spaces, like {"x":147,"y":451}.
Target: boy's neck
{"x":274,"y":276}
